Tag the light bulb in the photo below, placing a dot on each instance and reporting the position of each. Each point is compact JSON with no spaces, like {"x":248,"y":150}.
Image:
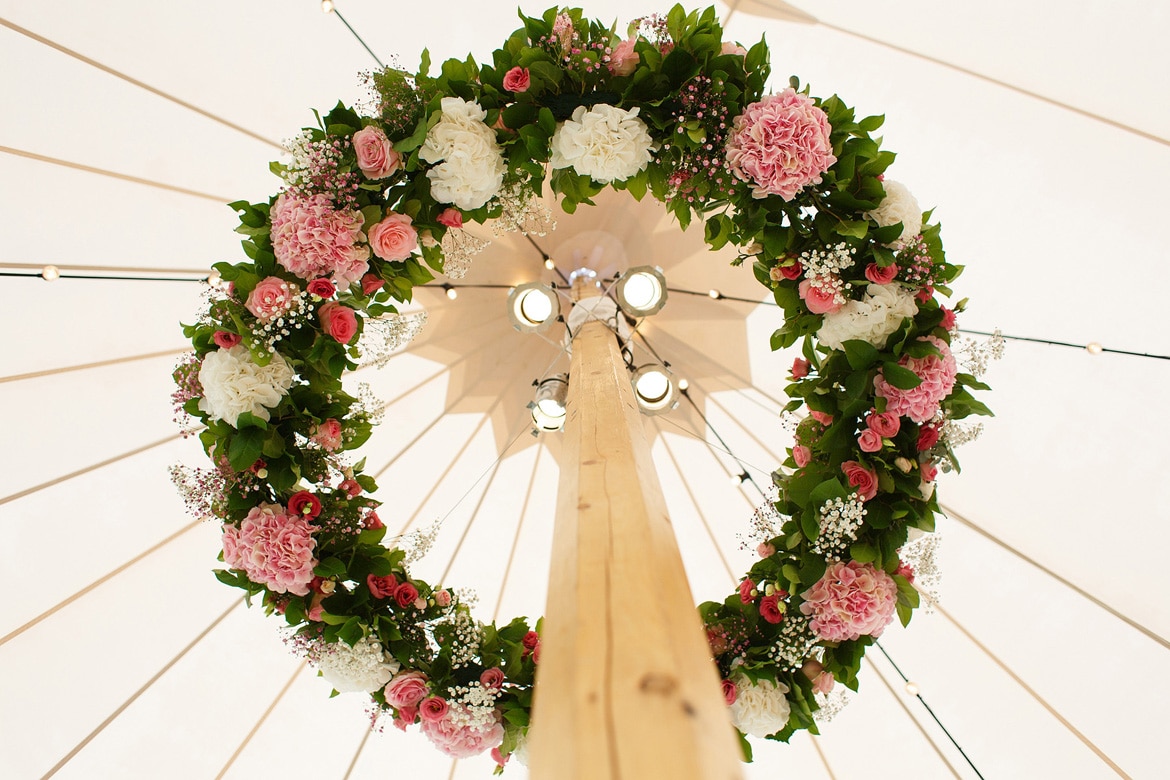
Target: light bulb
{"x":452,"y":293}
{"x":715,"y":294}
{"x":1094,"y":348}
{"x":912,"y":688}
{"x":50,"y":273}
{"x":327,"y":6}
{"x":549,"y":264}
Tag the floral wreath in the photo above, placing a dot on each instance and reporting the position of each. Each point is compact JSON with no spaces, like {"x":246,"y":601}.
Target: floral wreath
{"x":374,"y":205}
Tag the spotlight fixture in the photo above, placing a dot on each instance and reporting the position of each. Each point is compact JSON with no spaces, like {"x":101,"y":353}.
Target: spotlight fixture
{"x":532,"y":307}
{"x":548,"y":404}
{"x":641,"y":291}
{"x":452,"y":293}
{"x":50,"y":273}
{"x":655,"y":389}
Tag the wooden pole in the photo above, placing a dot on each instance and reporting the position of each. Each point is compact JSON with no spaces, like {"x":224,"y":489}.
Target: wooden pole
{"x":625,"y":687}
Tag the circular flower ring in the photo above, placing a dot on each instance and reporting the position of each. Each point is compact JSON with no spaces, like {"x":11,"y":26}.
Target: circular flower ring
{"x":794,"y":181}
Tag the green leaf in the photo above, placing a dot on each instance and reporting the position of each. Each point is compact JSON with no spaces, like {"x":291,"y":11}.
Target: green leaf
{"x":860,"y":354}
{"x":900,"y":376}
{"x":245,"y":448}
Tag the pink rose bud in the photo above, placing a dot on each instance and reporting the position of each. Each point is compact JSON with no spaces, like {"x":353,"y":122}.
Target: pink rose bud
{"x":516,"y":80}
{"x":927,"y":437}
{"x":739,"y":51}
{"x":328,"y":435}
{"x":800,"y":368}
{"x":351,"y":487}
{"x":338,"y":321}
{"x":433,"y":709}
{"x":375,"y":154}
{"x":322,"y":288}
{"x":452,"y":218}
{"x":371,"y":283}
{"x":405,"y":594}
{"x":948,"y":320}
{"x":373,"y":522}
{"x":382,"y":587}
{"x":879,"y":275}
{"x":869,"y":441}
{"x":865,"y":480}
{"x":394,"y":238}
{"x":499,"y":757}
{"x":492,"y":679}
{"x":802,"y":455}
{"x":746,"y":590}
{"x":792,"y":272}
{"x":823,"y":683}
{"x":770,"y":608}
{"x":443,"y":598}
{"x":929,"y":471}
{"x":623,"y":59}
{"x":730,"y":692}
{"x":884,"y":424}
{"x":766,"y":550}
{"x":821,"y":417}
{"x":530,"y":641}
{"x":225,"y":340}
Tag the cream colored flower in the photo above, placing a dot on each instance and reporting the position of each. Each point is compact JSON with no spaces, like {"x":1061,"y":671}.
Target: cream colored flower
{"x":871,"y":319}
{"x":363,"y":668}
{"x":470,"y":166}
{"x":233,"y":384}
{"x":603,"y":142}
{"x":760,"y":708}
{"x":898,"y":206}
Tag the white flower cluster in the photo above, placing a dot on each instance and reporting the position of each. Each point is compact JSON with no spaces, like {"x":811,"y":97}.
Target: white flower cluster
{"x":821,"y":263}
{"x":872,"y":319}
{"x":468,"y":635}
{"x":478,"y":705}
{"x":976,"y":355}
{"x":522,"y":212}
{"x":459,"y":247}
{"x":840,"y":519}
{"x":363,"y":668}
{"x":604,"y":142}
{"x":898,"y":206}
{"x":920,"y":553}
{"x":760,"y":708}
{"x":234,"y":384}
{"x":383,"y":336}
{"x":795,"y":642}
{"x":471,"y":164}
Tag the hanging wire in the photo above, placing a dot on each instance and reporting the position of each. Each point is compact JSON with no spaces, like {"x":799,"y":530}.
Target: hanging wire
{"x":333,"y":9}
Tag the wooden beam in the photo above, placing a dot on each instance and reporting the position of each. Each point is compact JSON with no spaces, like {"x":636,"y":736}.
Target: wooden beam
{"x":625,"y":686}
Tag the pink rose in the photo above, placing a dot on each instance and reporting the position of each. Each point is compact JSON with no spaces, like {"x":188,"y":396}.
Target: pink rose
{"x":338,"y":321}
{"x":730,"y":692}
{"x":499,"y":757}
{"x":884,"y":424}
{"x":536,"y":654}
{"x":879,"y":275}
{"x":492,"y":678}
{"x":373,"y":522}
{"x":905,"y":570}
{"x":406,"y":716}
{"x":733,"y":48}
{"x":770,"y":610}
{"x":443,"y":598}
{"x":948,"y":320}
{"x":780,"y":145}
{"x":928,"y":437}
{"x":457,"y":738}
{"x":623,"y":59}
{"x":821,"y":417}
{"x":375,"y":154}
{"x":869,"y":441}
{"x":822,"y":299}
{"x":407,"y":689}
{"x":530,"y":641}
{"x":791,"y":272}
{"x":823,"y":684}
{"x":371,"y":283}
{"x":516,"y":80}
{"x":745,"y":591}
{"x":271,"y":298}
{"x":800,"y":368}
{"x":802,"y":455}
{"x":351,"y":487}
{"x":433,"y":708}
{"x":381,"y":587}
{"x":305,"y":504}
{"x":929,"y":471}
{"x":322,"y":288}
{"x":328,"y":435}
{"x":452,"y":218}
{"x":766,"y":549}
{"x":865,"y":480}
{"x":394,"y":238}
{"x":405,"y":594}
{"x":225,"y":340}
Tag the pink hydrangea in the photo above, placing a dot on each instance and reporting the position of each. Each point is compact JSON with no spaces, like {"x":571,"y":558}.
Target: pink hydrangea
{"x":937,"y":373}
{"x":463,"y":741}
{"x":311,"y":239}
{"x":780,"y":145}
{"x":274,"y":548}
{"x":851,"y":600}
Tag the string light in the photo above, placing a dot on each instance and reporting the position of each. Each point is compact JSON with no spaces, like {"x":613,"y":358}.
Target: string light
{"x":549,"y":264}
{"x":715,"y":294}
{"x":326,"y":6}
{"x":452,"y":293}
{"x":50,"y":273}
{"x":1094,"y":348}
{"x":912,"y":688}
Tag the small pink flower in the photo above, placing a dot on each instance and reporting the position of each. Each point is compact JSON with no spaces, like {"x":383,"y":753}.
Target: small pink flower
{"x":730,"y":692}
{"x":394,"y":238}
{"x":792,"y":272}
{"x":443,"y":598}
{"x":271,"y":298}
{"x":328,"y":435}
{"x":381,"y":587}
{"x":879,"y":275}
{"x":339,"y":321}
{"x":405,"y":594}
{"x":452,"y":218}
{"x":406,"y":716}
{"x":929,"y":471}
{"x":884,"y":424}
{"x":905,"y":570}
{"x":802,"y":455}
{"x":530,"y":641}
{"x":733,"y":48}
{"x":821,"y":417}
{"x":225,"y":340}
{"x":499,"y":757}
{"x":623,"y":59}
{"x":766,"y":549}
{"x":304,"y":504}
{"x":351,"y":487}
{"x":770,"y":610}
{"x":820,"y":300}
{"x":800,"y":368}
{"x":865,"y":480}
{"x":928,"y":436}
{"x":745,"y":591}
{"x":375,"y":154}
{"x":373,"y":522}
{"x":433,"y":708}
{"x":406,"y":690}
{"x":371,"y":283}
{"x":869,"y":441}
{"x":322,"y":287}
{"x":823,"y":683}
{"x":948,"y":320}
{"x":492,"y":679}
{"x":516,"y":80}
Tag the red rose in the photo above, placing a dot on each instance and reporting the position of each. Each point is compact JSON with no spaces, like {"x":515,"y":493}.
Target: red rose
{"x":405,"y":594}
{"x":745,"y":591}
{"x":373,"y":522}
{"x":865,"y":480}
{"x":304,"y":504}
{"x":793,"y":271}
{"x":927,"y":437}
{"x":878,"y":275}
{"x":371,"y":283}
{"x":948,"y":320}
{"x":800,"y":368}
{"x":382,"y":587}
{"x":338,"y":321}
{"x":517,"y":79}
{"x":225,"y":340}
{"x":452,"y":218}
{"x":730,"y":692}
{"x":770,"y":609}
{"x":492,"y":678}
{"x":351,"y":488}
{"x":530,"y":641}
{"x":322,"y":288}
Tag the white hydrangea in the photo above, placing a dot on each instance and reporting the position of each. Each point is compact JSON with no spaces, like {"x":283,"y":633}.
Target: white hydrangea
{"x":604,"y":142}
{"x":898,"y":206}
{"x":363,"y":668}
{"x":760,"y":708}
{"x":234,"y":384}
{"x":873,"y":318}
{"x":471,"y":164}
